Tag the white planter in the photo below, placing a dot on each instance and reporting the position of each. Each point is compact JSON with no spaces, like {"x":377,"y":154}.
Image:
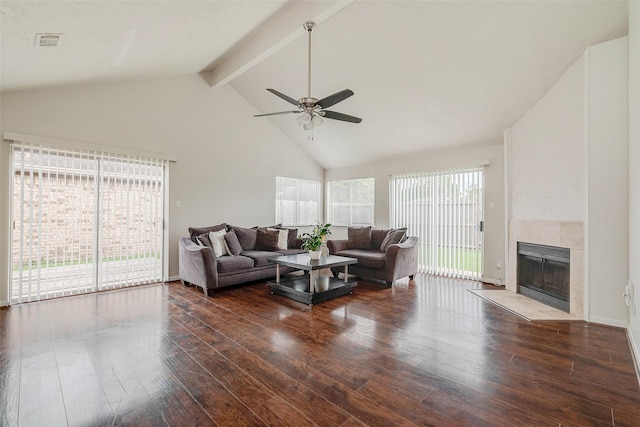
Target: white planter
{"x":315,"y":254}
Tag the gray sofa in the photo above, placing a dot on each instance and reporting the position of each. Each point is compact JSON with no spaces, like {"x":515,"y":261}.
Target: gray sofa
{"x":246,"y":259}
{"x":382,"y":254}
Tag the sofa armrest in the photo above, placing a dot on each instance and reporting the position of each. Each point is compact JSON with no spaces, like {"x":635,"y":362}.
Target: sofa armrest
{"x":401,"y":259}
{"x":197,"y":264}
{"x":337,"y":245}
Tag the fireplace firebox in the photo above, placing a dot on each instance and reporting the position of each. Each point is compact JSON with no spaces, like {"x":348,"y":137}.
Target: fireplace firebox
{"x":543,"y":274}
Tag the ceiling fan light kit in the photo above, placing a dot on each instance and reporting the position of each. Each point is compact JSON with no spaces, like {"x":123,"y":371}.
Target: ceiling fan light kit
{"x":311,"y":109}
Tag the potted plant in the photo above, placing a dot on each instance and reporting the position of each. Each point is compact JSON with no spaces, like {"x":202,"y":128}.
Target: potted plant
{"x":313,"y":241}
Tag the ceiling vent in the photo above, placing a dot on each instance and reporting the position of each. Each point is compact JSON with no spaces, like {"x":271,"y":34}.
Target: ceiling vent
{"x":48,"y":39}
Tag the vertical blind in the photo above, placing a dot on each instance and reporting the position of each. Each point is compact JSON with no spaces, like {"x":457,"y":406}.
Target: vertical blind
{"x":83,"y":221}
{"x":444,"y":209}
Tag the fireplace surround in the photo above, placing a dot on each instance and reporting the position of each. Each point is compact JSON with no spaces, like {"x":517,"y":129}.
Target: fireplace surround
{"x":565,"y":234}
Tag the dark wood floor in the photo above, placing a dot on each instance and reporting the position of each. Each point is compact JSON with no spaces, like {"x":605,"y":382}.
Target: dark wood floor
{"x":423,"y":353}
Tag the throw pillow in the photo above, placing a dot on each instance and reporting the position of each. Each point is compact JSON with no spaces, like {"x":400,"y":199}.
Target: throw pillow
{"x":393,"y":237}
{"x":359,"y":238}
{"x":203,"y":240}
{"x":377,"y":236}
{"x":233,"y":244}
{"x":246,"y":237}
{"x":292,"y":241}
{"x":267,"y":240}
{"x":197,"y":231}
{"x":283,"y":238}
{"x":217,"y":242}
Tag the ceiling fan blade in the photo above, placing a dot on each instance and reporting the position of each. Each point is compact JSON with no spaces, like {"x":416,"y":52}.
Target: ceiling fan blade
{"x":285,"y":97}
{"x":335,"y":98}
{"x":279,"y":112}
{"x":340,"y":116}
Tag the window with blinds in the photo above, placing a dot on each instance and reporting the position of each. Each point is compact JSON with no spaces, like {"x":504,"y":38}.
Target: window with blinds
{"x":84,"y":221}
{"x":445,"y":210}
{"x":351,"y":202}
{"x":297,"y":201}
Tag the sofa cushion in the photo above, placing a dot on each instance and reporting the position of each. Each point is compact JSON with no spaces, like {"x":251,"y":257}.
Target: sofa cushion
{"x":366,"y":258}
{"x":246,"y":237}
{"x":393,"y":237}
{"x":233,"y":244}
{"x":267,"y":240}
{"x":227,"y":264}
{"x":359,"y":238}
{"x":261,"y":257}
{"x":197,"y":231}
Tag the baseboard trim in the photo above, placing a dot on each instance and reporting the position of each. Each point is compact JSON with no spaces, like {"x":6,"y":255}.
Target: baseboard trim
{"x":4,"y":303}
{"x":608,"y":322}
{"x":496,"y":281}
{"x":173,"y":279}
{"x":635,"y":352}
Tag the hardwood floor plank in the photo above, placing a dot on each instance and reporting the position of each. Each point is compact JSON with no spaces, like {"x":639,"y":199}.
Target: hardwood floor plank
{"x":222,"y":406}
{"x":275,"y":412}
{"x":84,"y":398}
{"x":39,"y":377}
{"x":408,"y":408}
{"x":310,"y":404}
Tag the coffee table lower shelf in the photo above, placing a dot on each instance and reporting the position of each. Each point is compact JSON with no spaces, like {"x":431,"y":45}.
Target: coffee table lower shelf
{"x":297,"y":288}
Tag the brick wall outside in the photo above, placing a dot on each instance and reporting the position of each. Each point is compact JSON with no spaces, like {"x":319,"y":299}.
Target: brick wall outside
{"x":58,"y":216}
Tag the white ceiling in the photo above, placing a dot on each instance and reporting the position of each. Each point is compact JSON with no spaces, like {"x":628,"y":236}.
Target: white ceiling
{"x":425,"y":74}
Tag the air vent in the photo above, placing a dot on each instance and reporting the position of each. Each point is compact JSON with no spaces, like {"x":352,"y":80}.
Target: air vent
{"x":48,"y":39}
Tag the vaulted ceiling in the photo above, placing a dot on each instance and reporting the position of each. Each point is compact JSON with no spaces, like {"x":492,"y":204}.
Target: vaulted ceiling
{"x":426,"y":74}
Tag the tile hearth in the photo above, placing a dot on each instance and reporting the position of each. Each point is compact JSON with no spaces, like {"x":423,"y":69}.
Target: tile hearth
{"x":522,"y":306}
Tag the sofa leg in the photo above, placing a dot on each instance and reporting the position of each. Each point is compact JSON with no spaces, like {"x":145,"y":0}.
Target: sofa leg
{"x":206,"y":292}
{"x":185,"y":283}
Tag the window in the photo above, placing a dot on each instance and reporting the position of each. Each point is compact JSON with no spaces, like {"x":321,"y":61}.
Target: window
{"x":84,"y":221}
{"x":351,"y":202}
{"x":297,"y":201}
{"x":444,"y":210}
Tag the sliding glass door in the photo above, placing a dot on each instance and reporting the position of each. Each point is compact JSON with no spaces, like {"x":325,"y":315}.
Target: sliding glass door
{"x":444,"y":209}
{"x":83,"y":221}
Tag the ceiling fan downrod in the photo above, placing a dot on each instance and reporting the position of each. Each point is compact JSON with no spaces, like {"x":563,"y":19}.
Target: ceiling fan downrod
{"x":308,"y":26}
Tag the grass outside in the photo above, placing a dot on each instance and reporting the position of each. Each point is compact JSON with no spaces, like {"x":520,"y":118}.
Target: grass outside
{"x":466,"y":259}
{"x":52,"y":264}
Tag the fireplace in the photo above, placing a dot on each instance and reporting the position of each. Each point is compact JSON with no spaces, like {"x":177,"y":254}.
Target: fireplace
{"x":543,"y":274}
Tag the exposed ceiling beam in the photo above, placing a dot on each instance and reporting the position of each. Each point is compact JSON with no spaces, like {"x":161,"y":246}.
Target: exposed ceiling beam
{"x":284,"y":29}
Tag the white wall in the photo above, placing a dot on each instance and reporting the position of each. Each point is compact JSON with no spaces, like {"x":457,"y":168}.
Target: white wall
{"x":568,"y":169}
{"x":546,"y":161}
{"x":634,"y":170}
{"x":606,"y":226}
{"x":438,"y":160}
{"x":227,"y":159}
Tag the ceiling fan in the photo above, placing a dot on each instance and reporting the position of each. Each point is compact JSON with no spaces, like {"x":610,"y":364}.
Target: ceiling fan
{"x":312,"y":110}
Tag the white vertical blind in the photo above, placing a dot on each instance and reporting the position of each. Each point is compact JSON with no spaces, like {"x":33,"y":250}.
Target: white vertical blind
{"x":444,"y":209}
{"x":83,"y":221}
